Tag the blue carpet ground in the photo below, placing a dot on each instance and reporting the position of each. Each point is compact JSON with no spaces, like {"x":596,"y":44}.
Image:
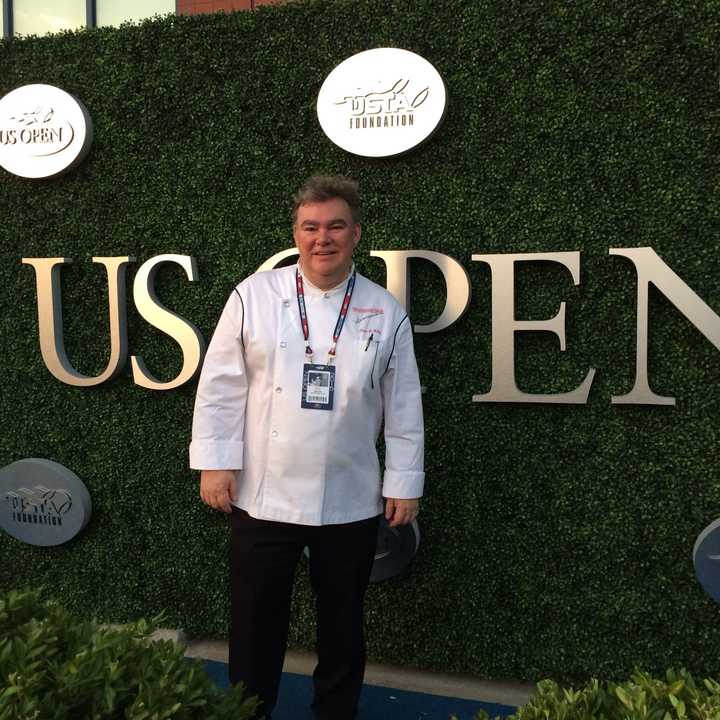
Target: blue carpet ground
{"x":376,"y":703}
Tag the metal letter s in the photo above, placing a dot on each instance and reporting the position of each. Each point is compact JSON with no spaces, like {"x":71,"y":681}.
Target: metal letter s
{"x":182,"y":331}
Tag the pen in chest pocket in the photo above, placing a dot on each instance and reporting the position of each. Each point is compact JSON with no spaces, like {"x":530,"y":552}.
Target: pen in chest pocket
{"x":372,"y":369}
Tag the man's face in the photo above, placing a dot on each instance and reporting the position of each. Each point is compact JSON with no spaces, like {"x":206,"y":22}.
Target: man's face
{"x":326,"y":236}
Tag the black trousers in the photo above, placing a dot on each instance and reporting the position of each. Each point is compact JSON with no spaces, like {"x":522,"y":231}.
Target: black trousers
{"x":264,"y":555}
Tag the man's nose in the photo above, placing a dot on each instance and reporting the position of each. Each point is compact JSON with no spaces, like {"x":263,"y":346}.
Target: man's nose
{"x":323,"y":237}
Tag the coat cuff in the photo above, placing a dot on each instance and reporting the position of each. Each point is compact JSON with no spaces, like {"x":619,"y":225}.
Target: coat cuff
{"x":216,"y":454}
{"x":403,"y":485}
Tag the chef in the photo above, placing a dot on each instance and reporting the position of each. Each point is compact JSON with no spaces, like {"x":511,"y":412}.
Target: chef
{"x":306,"y":365}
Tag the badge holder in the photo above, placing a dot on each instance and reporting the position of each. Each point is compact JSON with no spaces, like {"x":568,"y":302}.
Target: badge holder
{"x":318,"y":387}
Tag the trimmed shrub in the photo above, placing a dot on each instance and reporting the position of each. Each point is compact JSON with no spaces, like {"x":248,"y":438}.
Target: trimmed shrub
{"x":54,"y":665}
{"x":642,"y":697}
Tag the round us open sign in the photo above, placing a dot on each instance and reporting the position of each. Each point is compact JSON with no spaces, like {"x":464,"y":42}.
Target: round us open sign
{"x":44,"y":131}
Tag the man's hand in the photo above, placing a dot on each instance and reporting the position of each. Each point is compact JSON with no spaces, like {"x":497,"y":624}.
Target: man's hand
{"x":217,"y":488}
{"x":401,"y":512}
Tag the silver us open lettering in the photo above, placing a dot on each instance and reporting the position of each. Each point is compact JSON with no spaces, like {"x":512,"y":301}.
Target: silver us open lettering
{"x":649,"y":267}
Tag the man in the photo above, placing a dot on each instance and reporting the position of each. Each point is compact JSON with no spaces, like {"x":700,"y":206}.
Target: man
{"x":304,"y":364}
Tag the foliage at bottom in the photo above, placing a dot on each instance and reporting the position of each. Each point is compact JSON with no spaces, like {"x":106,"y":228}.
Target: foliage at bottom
{"x":54,"y":666}
{"x":642,"y":697}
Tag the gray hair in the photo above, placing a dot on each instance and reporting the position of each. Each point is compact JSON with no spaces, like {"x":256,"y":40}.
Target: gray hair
{"x":321,"y":188}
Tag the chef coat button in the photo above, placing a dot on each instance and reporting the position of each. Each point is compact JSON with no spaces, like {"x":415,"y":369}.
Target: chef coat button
{"x":283,"y":344}
{"x":286,"y":303}
{"x":278,"y":389}
{"x":274,"y":433}
{"x":327,"y":295}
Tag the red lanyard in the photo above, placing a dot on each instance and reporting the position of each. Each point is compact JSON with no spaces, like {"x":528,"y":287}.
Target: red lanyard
{"x":338,"y":325}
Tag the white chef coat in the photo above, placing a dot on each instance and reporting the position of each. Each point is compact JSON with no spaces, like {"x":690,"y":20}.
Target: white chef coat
{"x":297,"y":465}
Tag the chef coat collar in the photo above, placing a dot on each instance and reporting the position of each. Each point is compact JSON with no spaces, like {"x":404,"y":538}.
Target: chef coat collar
{"x":315,"y":290}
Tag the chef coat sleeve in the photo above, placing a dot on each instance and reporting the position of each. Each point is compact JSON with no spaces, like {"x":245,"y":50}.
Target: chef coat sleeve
{"x":219,"y":418}
{"x":404,"y":434}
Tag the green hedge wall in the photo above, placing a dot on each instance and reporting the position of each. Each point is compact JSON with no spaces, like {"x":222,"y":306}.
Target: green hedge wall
{"x":556,"y":540}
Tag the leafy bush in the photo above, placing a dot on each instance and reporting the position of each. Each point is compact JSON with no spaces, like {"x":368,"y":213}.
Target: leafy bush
{"x":640,"y":698}
{"x":53,"y":665}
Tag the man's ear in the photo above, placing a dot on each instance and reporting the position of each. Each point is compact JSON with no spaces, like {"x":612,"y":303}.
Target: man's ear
{"x":357,"y":232}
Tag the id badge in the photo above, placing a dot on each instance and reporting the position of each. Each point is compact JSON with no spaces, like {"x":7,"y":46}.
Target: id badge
{"x":318,"y":387}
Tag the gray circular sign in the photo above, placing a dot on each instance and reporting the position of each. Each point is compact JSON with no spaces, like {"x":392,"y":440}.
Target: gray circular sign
{"x":42,"y":502}
{"x":396,"y":547}
{"x":706,"y":558}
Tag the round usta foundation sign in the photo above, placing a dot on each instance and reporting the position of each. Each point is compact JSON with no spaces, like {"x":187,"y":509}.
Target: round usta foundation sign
{"x":42,"y":502}
{"x":44,"y":131}
{"x":381,"y":102}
